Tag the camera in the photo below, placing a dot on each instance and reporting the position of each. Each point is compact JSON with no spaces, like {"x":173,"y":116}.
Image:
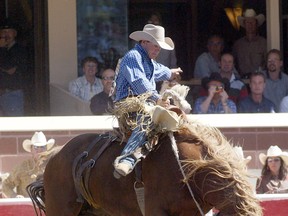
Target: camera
{"x":219,"y":89}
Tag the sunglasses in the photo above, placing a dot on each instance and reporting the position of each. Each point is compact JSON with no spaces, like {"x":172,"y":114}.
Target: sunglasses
{"x":270,"y":160}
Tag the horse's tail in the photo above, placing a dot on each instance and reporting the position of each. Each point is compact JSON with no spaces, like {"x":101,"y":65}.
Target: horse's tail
{"x":36,"y":192}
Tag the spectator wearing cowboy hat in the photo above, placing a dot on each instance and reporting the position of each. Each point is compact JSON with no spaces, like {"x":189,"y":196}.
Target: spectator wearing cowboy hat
{"x":26,"y":172}
{"x":250,"y":50}
{"x":274,"y":172}
{"x":217,"y":100}
{"x":138,"y":74}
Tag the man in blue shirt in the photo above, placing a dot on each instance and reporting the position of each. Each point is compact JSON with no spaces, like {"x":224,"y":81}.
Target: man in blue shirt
{"x":138,"y":74}
{"x":276,"y":80}
{"x":208,"y":62}
{"x":256,"y":102}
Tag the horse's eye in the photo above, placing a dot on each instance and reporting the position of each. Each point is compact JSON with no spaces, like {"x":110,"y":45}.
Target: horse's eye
{"x":189,"y":140}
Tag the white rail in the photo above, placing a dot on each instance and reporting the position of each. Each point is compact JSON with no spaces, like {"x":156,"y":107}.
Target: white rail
{"x":107,"y":122}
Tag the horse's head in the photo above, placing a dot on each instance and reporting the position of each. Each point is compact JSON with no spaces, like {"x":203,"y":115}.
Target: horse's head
{"x":213,"y":171}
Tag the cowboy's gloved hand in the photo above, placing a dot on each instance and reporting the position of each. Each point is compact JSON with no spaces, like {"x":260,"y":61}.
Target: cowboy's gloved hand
{"x":175,"y":74}
{"x":163,"y":103}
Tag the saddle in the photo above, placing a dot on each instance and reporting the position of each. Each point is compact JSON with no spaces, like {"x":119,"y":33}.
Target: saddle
{"x":82,"y":166}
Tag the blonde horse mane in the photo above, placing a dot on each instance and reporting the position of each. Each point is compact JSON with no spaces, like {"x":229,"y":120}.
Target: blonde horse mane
{"x":223,"y":162}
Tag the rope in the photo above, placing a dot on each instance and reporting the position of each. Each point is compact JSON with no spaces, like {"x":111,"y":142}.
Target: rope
{"x":175,"y":150}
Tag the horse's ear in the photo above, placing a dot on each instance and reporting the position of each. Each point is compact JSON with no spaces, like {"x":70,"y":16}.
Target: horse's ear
{"x":178,"y":111}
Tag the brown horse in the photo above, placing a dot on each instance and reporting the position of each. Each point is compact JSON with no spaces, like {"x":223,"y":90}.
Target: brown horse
{"x":206,"y":175}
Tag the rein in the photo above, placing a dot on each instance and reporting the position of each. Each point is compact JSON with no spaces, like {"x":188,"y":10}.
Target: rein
{"x":176,"y":153}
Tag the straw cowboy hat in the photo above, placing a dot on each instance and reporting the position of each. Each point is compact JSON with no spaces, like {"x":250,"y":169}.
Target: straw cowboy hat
{"x":239,"y":152}
{"x":274,"y":151}
{"x":38,"y":139}
{"x":154,"y":34}
{"x":250,"y":13}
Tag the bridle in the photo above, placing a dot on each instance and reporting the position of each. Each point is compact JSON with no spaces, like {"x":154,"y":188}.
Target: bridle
{"x":176,"y":153}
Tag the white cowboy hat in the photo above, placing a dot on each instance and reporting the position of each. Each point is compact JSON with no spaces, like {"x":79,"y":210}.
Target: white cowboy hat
{"x":239,"y":152}
{"x":38,"y":139}
{"x":154,"y":34}
{"x":250,"y":13}
{"x":274,"y":151}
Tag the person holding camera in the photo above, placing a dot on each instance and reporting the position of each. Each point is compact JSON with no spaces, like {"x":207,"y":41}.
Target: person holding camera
{"x":217,"y":100}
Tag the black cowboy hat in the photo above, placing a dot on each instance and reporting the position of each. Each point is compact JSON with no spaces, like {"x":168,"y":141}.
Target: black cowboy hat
{"x":8,"y":24}
{"x":215,"y":76}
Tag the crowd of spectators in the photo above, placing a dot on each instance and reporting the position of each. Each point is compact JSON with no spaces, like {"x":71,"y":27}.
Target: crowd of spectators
{"x":257,"y":84}
{"x":254,"y":80}
{"x":242,"y":66}
{"x":264,"y":91}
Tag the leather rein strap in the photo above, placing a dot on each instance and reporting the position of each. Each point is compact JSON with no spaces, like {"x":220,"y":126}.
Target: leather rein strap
{"x":79,"y":167}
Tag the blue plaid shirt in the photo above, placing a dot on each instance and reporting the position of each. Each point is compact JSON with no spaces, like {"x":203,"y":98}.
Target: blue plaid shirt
{"x":138,"y":74}
{"x":212,"y":109}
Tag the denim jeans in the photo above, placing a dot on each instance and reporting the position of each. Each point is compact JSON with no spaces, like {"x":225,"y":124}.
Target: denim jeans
{"x":12,"y":103}
{"x":137,"y":139}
